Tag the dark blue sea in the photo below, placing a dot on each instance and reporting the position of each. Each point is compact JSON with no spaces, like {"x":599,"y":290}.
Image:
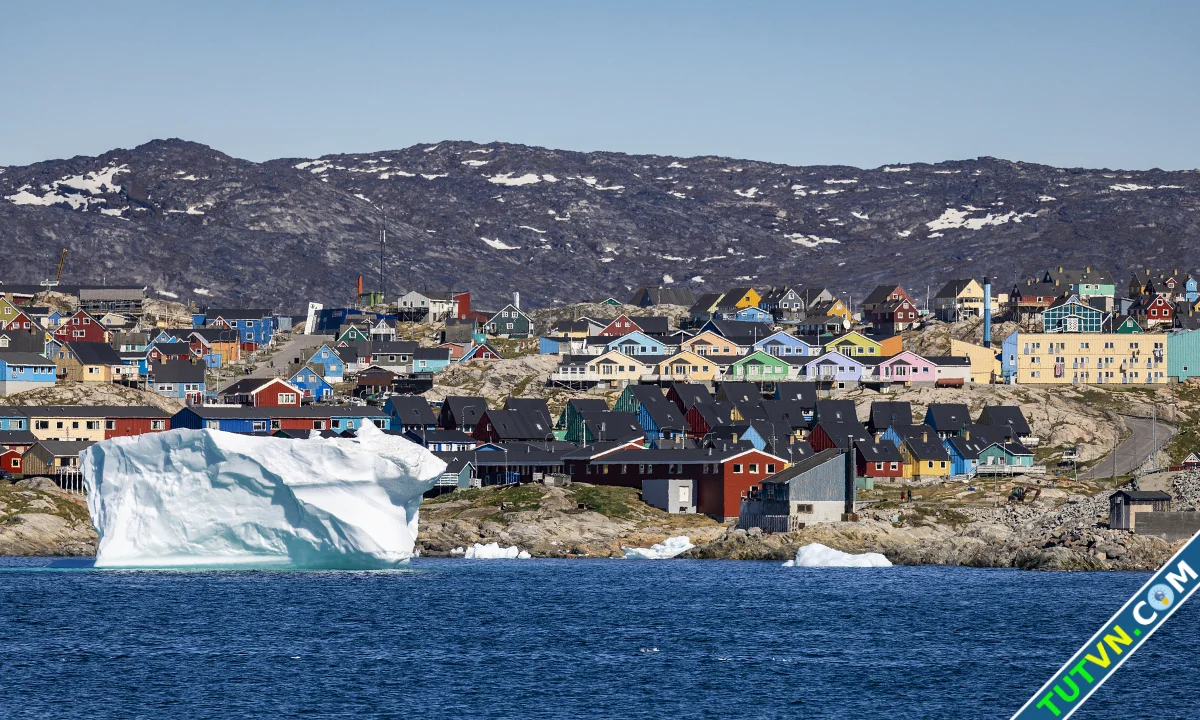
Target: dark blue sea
{"x":570,"y":639}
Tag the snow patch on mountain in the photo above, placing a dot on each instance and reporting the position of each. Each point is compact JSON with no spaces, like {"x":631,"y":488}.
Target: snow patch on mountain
{"x":510,"y":181}
{"x":810,"y":241}
{"x":499,"y":244}
{"x":747,"y":193}
{"x":952,"y":219}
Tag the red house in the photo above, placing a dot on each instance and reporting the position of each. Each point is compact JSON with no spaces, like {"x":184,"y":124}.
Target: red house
{"x":81,"y":327}
{"x":463,"y":299}
{"x":836,"y":435}
{"x":161,"y":352}
{"x":620,"y":327}
{"x":20,"y":322}
{"x":878,"y":460}
{"x":262,"y":392}
{"x":702,"y":418}
{"x":1153,"y":310}
{"x":137,"y":420}
{"x":721,"y":477}
{"x":894,"y":315}
{"x":883,"y":294}
{"x":10,"y":462}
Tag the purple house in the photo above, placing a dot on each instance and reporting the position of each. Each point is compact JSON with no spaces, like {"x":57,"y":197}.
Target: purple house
{"x":835,"y":370}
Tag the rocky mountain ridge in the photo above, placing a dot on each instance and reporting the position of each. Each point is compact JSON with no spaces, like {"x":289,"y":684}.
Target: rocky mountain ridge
{"x":558,"y":226}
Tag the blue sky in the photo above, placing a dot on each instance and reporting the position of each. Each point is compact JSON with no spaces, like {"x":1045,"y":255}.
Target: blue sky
{"x":1092,"y":84}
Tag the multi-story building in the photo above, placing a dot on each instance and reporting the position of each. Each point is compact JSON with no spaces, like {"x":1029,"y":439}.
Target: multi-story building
{"x":1084,"y":358}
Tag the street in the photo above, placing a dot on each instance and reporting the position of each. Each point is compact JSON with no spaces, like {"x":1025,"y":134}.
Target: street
{"x":1134,"y":450}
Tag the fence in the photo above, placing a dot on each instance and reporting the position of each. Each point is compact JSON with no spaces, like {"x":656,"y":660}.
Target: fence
{"x":1010,"y":470}
{"x":70,"y":480}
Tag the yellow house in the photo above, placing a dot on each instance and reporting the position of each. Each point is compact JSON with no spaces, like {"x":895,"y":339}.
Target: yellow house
{"x":832,"y":308}
{"x":617,"y":366}
{"x":985,"y":362}
{"x":924,"y":455}
{"x":1086,"y":358}
{"x":739,"y":298}
{"x":708,"y":343}
{"x":686,"y":366}
{"x":90,"y":362}
{"x":854,"y":344}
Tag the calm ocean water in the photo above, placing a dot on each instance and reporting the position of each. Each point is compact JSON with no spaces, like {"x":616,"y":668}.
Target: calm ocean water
{"x":569,"y":639}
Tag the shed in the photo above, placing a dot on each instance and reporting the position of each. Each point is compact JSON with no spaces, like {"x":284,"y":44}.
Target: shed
{"x":1125,"y":505}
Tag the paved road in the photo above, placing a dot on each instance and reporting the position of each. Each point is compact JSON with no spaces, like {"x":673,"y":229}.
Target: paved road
{"x":1135,"y":449}
{"x":284,"y":354}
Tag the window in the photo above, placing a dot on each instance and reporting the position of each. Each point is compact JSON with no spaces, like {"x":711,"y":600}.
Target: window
{"x":930,"y":463}
{"x":804,"y":508}
{"x":92,"y":424}
{"x":259,"y":426}
{"x":737,"y":467}
{"x":158,"y":424}
{"x":41,"y":424}
{"x":318,"y":424}
{"x":753,"y":467}
{"x":894,"y":466}
{"x":286,"y":398}
{"x":878,"y":466}
{"x":74,"y":424}
{"x":771,"y":468}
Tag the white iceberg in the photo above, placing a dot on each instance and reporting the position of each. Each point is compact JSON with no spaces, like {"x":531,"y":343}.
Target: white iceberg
{"x":201,"y":498}
{"x":493,"y":551}
{"x":817,"y":555}
{"x":668,"y":548}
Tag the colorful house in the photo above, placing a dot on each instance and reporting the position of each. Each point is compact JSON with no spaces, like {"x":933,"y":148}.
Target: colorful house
{"x":182,"y":379}
{"x":758,"y":366}
{"x":81,"y":328}
{"x":430,"y":360}
{"x":753,"y":314}
{"x":708,"y":343}
{"x":483,"y":351}
{"x":311,"y":382}
{"x":1070,"y":314}
{"x":906,"y":368}
{"x":781,"y":344}
{"x":637,"y":343}
{"x":1006,"y":454}
{"x":254,"y":327}
{"x":924,"y":455}
{"x":834,"y":368}
{"x":510,"y":322}
{"x":21,"y":371}
{"x":855,"y":343}
{"x":685,"y":366}
{"x":331,"y":363}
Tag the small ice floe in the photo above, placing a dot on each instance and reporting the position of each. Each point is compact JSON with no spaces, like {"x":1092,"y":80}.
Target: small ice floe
{"x":668,"y":548}
{"x":493,"y":551}
{"x":818,"y":555}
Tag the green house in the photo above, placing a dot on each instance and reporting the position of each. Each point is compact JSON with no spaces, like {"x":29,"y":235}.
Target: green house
{"x":1070,"y":314}
{"x":758,"y":366}
{"x":1127,"y":326}
{"x":1183,"y":355}
{"x":353,"y":333}
{"x":570,"y":420}
{"x":1006,"y":454}
{"x":510,"y":322}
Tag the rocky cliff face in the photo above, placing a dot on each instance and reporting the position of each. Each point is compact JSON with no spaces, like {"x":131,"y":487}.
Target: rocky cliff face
{"x":563,"y":226}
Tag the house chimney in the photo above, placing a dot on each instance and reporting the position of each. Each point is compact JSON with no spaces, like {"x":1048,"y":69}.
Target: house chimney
{"x":966,"y":434}
{"x":517,"y":300}
{"x":1088,"y":269}
{"x":1060,"y":269}
{"x":878,"y":436}
{"x":925,"y":436}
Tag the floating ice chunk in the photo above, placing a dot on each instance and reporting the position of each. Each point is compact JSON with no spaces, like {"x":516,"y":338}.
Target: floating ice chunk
{"x":668,"y":548}
{"x":211,"y":498}
{"x":817,"y":555}
{"x":493,"y":551}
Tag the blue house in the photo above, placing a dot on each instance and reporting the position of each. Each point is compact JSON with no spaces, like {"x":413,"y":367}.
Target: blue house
{"x":782,"y":344}
{"x":328,"y":359}
{"x":254,"y":327}
{"x":265,"y":420}
{"x":658,"y":417}
{"x":1009,"y":454}
{"x":1192,"y":293}
{"x":964,"y":454}
{"x":20,"y":371}
{"x":431,"y":360}
{"x":636,"y":343}
{"x":754,"y":315}
{"x":1008,"y":357}
{"x":177,"y":379}
{"x":13,"y":418}
{"x":312,"y":383}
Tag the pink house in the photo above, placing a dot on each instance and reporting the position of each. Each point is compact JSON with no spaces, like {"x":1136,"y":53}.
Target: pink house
{"x":907,"y":368}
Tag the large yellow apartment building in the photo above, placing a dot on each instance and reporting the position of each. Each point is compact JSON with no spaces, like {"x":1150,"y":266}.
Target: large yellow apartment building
{"x":1085,"y":358}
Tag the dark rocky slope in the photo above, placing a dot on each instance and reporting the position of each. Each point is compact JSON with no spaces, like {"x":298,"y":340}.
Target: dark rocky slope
{"x":562,"y":226}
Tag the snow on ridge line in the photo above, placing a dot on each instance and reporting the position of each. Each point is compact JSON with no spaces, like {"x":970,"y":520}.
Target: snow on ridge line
{"x":499,"y":244}
{"x":896,"y":169}
{"x":475,"y":163}
{"x":747,"y":193}
{"x":1129,"y":187}
{"x":840,"y":182}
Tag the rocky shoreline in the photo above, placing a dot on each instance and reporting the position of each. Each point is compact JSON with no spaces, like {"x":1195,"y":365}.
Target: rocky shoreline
{"x":598,"y":522}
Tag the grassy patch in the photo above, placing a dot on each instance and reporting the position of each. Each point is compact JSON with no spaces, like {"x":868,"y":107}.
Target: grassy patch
{"x":615,"y":502}
{"x":19,"y":500}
